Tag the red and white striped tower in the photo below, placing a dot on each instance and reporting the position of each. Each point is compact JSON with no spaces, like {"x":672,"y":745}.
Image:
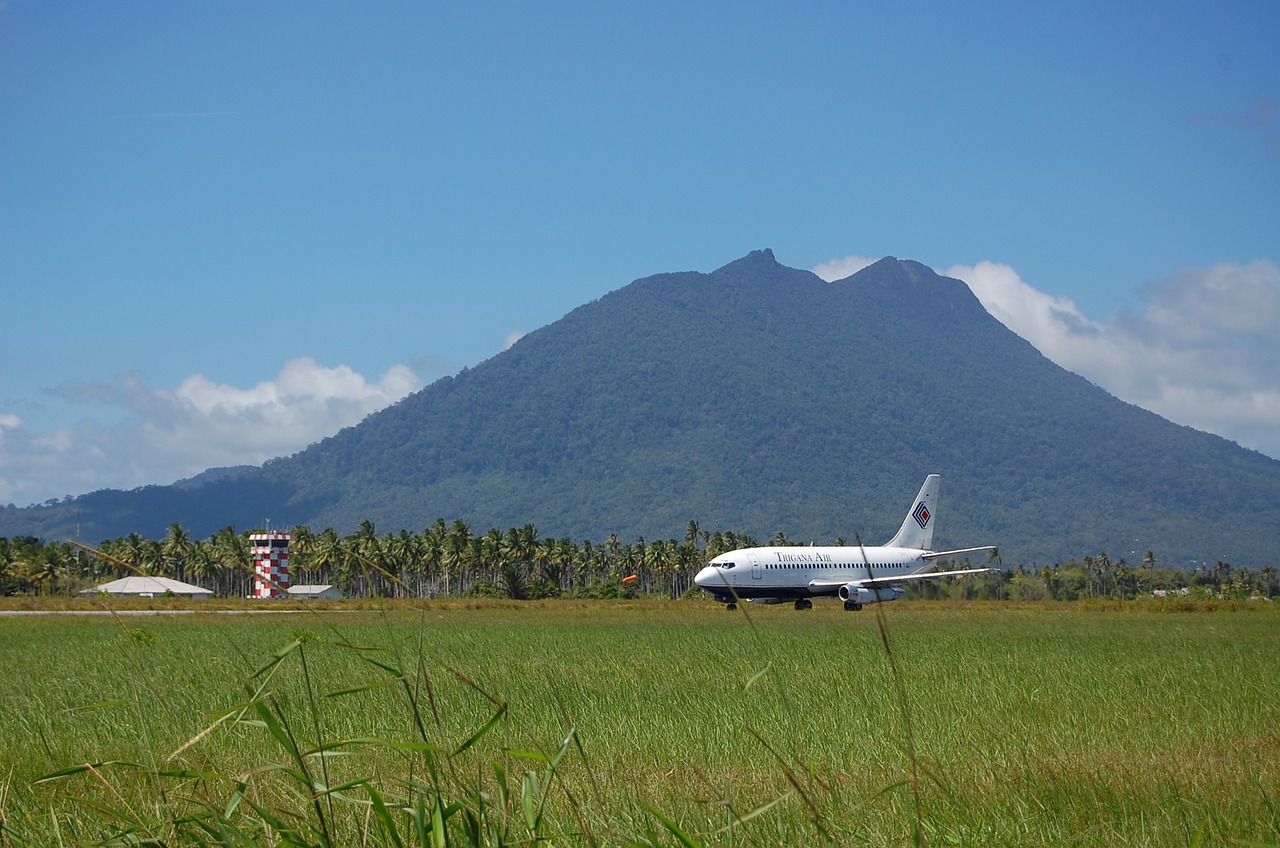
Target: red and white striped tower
{"x":270,"y":564}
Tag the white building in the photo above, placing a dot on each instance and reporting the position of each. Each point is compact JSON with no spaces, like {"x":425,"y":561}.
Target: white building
{"x":326,"y":592}
{"x":150,"y":587}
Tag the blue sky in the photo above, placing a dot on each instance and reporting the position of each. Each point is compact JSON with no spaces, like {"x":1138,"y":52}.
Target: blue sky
{"x":228,"y":230}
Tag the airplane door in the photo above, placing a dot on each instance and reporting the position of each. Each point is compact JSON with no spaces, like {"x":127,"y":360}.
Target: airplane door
{"x":755,"y":567}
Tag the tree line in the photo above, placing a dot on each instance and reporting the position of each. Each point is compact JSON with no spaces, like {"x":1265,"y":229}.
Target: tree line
{"x":451,"y":560}
{"x":441,"y":560}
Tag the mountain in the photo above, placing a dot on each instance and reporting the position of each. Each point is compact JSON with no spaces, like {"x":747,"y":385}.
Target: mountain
{"x":757,"y":398}
{"x":212,"y":475}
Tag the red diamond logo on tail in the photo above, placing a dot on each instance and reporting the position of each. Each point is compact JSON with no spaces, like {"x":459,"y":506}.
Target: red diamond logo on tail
{"x":921,"y":515}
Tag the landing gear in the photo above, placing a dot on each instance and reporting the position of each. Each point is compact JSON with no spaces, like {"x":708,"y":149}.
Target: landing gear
{"x":804,"y":604}
{"x":731,"y":606}
{"x":850,"y":606}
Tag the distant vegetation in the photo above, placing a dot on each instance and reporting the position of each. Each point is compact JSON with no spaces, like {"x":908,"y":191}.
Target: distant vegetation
{"x":451,"y":560}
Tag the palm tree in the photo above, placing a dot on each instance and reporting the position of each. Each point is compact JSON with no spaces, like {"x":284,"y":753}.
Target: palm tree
{"x":519,"y":547}
{"x":635,"y":560}
{"x":1104,"y":572}
{"x":1268,"y":575}
{"x":689,"y":560}
{"x":567,"y":553}
{"x":175,"y":549}
{"x":691,"y":533}
{"x":44,"y":566}
{"x":301,"y":549}
{"x":430,"y":543}
{"x":201,"y":565}
{"x":1129,"y":575}
{"x":365,"y":550}
{"x":361,"y":554}
{"x":405,"y":559}
{"x":552,"y":559}
{"x":371,"y":559}
{"x":662,"y":561}
{"x":547,"y":564}
{"x":119,"y":553}
{"x":44,"y":572}
{"x":1050,"y":579}
{"x":404,"y":553}
{"x":489,"y":557}
{"x":231,"y":552}
{"x":135,"y":552}
{"x":457,"y":545}
{"x":718,"y":544}
{"x":586,"y":556}
{"x":8,"y":565}
{"x":1221,"y":574}
{"x":326,"y":554}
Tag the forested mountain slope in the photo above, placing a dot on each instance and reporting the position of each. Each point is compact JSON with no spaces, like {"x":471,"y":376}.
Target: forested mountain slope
{"x":760,"y":399}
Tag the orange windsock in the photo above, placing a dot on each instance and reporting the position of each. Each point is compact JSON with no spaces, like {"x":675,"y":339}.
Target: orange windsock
{"x":630,"y":578}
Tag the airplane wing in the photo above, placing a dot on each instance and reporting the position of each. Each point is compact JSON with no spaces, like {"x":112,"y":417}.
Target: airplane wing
{"x":927,"y":575}
{"x":955,"y":553}
{"x":817,"y":586}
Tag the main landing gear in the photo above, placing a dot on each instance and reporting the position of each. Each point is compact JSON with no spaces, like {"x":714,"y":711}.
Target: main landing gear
{"x":850,"y":606}
{"x":804,"y":604}
{"x":731,"y":606}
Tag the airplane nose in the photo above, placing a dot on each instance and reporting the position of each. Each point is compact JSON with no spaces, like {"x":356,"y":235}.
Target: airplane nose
{"x":707,"y":576}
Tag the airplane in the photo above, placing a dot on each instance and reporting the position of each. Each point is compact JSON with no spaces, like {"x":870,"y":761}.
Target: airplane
{"x":856,"y":575}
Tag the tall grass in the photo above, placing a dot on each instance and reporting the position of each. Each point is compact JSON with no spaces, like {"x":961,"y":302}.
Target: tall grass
{"x":643,"y":724}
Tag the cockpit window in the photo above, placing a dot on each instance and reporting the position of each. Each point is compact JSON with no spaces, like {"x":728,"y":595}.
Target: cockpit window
{"x":726,"y":565}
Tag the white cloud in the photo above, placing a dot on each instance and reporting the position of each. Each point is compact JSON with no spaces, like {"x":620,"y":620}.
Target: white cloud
{"x":513,"y":337}
{"x":1201,"y":351}
{"x":167,"y":434}
{"x":838,"y":269}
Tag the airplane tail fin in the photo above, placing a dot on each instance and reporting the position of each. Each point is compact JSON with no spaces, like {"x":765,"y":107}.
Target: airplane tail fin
{"x":917,"y":528}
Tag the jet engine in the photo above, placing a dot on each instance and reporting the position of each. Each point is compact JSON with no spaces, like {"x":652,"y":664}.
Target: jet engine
{"x":859,"y":595}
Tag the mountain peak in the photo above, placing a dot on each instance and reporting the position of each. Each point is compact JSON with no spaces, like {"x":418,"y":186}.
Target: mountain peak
{"x":906,"y":269}
{"x":760,"y":268}
{"x":754,"y":262}
{"x":907,"y":278}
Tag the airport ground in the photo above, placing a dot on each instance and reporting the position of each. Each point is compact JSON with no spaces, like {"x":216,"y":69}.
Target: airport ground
{"x":645,"y":722}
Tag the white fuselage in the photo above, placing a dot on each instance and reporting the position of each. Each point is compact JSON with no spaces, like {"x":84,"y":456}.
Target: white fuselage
{"x":787,"y":572}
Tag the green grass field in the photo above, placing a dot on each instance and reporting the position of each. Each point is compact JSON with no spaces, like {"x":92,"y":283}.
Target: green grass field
{"x":646,"y":723}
